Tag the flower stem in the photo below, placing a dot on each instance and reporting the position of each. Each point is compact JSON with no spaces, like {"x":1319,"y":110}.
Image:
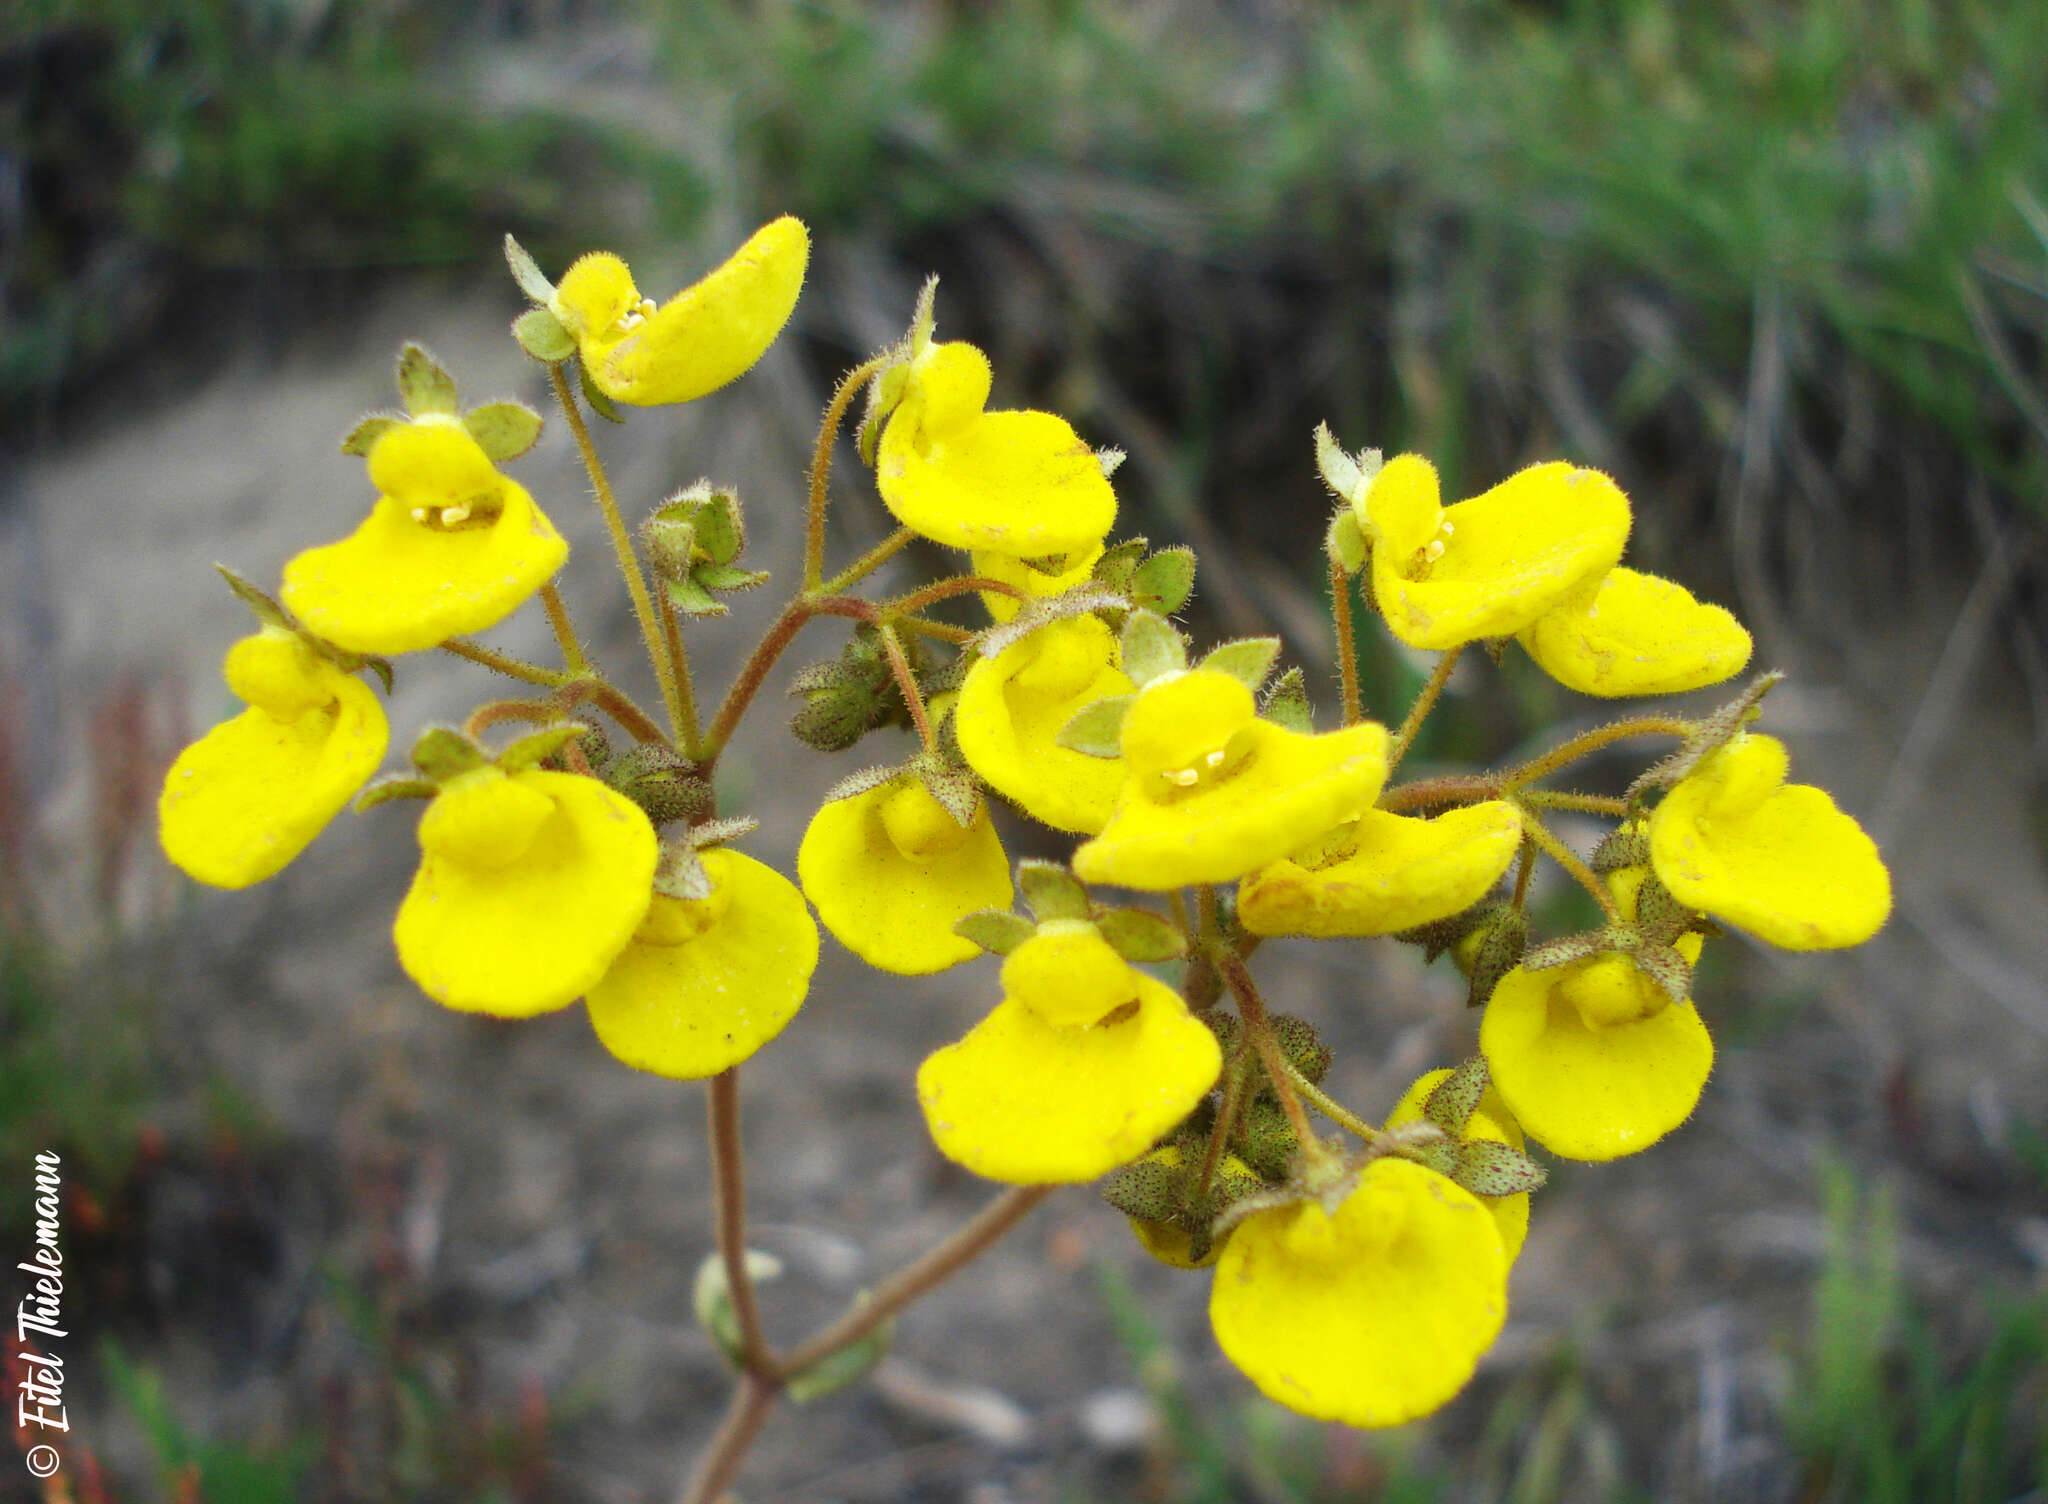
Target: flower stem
{"x":729,"y":1177}
{"x":821,"y":467}
{"x":505,"y":663}
{"x":622,"y":544}
{"x":906,"y":681}
{"x":614,"y":702}
{"x":1525,"y":868}
{"x":942,"y":631}
{"x":686,"y":690}
{"x":565,"y":632}
{"x":1425,"y":702}
{"x":1430,"y":793}
{"x":966,"y":1244}
{"x":721,"y":1461}
{"x":1235,"y":1074}
{"x":1568,"y":859}
{"x":1329,"y":1106}
{"x":939,"y":590}
{"x":1347,"y":642}
{"x":867,"y":563}
{"x":1252,"y":1008}
{"x":1592,"y":741}
{"x":1585,"y":804}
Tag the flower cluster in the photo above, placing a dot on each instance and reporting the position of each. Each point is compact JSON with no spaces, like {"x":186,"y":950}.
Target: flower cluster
{"x":1358,"y":1278}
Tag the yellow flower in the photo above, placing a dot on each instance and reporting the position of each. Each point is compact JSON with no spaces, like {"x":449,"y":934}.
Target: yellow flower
{"x":1172,"y":1243}
{"x":451,"y":546}
{"x":1022,"y":484}
{"x":706,"y":982}
{"x":1636,"y":634}
{"x":1384,"y":873}
{"x":529,"y":885}
{"x":1492,"y":1122}
{"x":1013,"y":707}
{"x":1073,"y":569}
{"x":890,"y":872}
{"x":254,"y":791}
{"x":1734,"y":840}
{"x":1490,"y":566}
{"x":700,"y":339}
{"x":1211,"y":792}
{"x":1372,"y":1315}
{"x":1080,"y":1068}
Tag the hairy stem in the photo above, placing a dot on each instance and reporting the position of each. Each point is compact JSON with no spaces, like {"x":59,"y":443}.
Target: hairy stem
{"x":1585,"y":804}
{"x":1329,"y":1106}
{"x":906,"y":681}
{"x":505,"y":663}
{"x":966,"y":1244}
{"x":1425,"y":702}
{"x":1525,"y":868}
{"x":1252,"y":1009}
{"x":565,"y":632}
{"x":868,"y":562}
{"x":1347,"y":642}
{"x":1592,"y":741}
{"x":614,"y":702}
{"x":729,"y":1176}
{"x":686,"y":689}
{"x":821,"y":467}
{"x":1433,"y":793}
{"x":622,"y":544}
{"x":939,"y":590}
{"x":1568,"y":859}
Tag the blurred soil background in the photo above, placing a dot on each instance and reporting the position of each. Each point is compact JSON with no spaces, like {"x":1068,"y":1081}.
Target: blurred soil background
{"x":1781,"y":268}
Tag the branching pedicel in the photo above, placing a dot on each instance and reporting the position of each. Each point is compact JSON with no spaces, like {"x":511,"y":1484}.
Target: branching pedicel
{"x":1356,"y":1278}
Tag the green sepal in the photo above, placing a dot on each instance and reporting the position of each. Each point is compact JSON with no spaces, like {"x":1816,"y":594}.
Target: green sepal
{"x":730,"y":577}
{"x":859,"y":782}
{"x":1248,"y":660}
{"x":1117,"y":568}
{"x":1051,"y":891}
{"x":1164,"y":582}
{"x":1622,"y":847}
{"x":1503,"y":948}
{"x":1667,"y":968}
{"x":265,"y":608}
{"x":691,"y":598}
{"x":368,"y":430}
{"x":599,"y":402}
{"x":534,"y":748}
{"x":443,"y":753}
{"x":1079,"y":601}
{"x":1097,"y":730}
{"x":1347,"y":475}
{"x":836,"y":712}
{"x":664,"y":783}
{"x":679,"y":873}
{"x":526,"y":272}
{"x":1303,"y":1047}
{"x":541,"y":335}
{"x":381,"y":667}
{"x":885,"y":395}
{"x":397,"y":786}
{"x":1140,"y":935}
{"x":996,"y":931}
{"x":1286,"y":703}
{"x":1453,"y":1100}
{"x":1660,"y":917}
{"x":671,"y":544}
{"x":1487,"y":1168}
{"x":1345,"y":542}
{"x":1709,"y":736}
{"x":842,"y":1366}
{"x":1569,"y":948}
{"x":722,"y":832}
{"x":1145,"y":1189}
{"x":503,"y":430}
{"x":1152,"y":646}
{"x":721,"y":530}
{"x":711,"y":1298}
{"x":954,"y":787}
{"x":424,"y":384}
{"x":1109,"y":459}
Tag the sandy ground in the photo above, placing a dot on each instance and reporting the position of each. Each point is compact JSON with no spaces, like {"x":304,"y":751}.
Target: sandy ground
{"x":539,"y":1210}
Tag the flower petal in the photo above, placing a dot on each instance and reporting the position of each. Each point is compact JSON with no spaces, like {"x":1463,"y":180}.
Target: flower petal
{"x":1492,"y":1122}
{"x":689,"y":1010}
{"x":1013,"y":707}
{"x":538,"y":931}
{"x":1402,"y":872}
{"x":1636,"y":634}
{"x":1034,"y":1103}
{"x":1015,"y":483}
{"x":1373,"y":1316}
{"x":1076,"y":568}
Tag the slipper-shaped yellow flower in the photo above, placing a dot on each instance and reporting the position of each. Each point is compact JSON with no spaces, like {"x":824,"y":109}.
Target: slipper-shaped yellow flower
{"x":1593,"y":1059}
{"x":1074,"y":569}
{"x":451,"y":547}
{"x":1492,"y":1122}
{"x":705,"y":982}
{"x":1778,"y":859}
{"x":890,"y":873}
{"x":1015,"y":483}
{"x":529,"y":886}
{"x":1490,"y":566}
{"x":700,"y":339}
{"x":1373,"y":1315}
{"x":1385,"y":873}
{"x":1212,"y":792}
{"x":1636,"y":634}
{"x":1013,"y":707}
{"x":1080,"y":1068}
{"x":254,"y":791}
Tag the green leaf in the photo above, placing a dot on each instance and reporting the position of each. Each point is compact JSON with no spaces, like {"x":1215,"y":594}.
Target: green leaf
{"x":1098,"y":731}
{"x":1140,"y":935}
{"x":397,"y":786}
{"x":504,"y":430}
{"x":1052,"y":891}
{"x":1286,"y":703}
{"x":1486,"y":1168}
{"x":526,"y":272}
{"x":1454,"y":1099}
{"x":996,"y":931}
{"x":368,"y":430}
{"x":711,"y":1297}
{"x":1164,"y":582}
{"x":423,"y":384}
{"x":1151,"y":647}
{"x":599,"y":402}
{"x":442,"y":752}
{"x":1247,"y":660}
{"x":842,"y":1366}
{"x":541,"y":335}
